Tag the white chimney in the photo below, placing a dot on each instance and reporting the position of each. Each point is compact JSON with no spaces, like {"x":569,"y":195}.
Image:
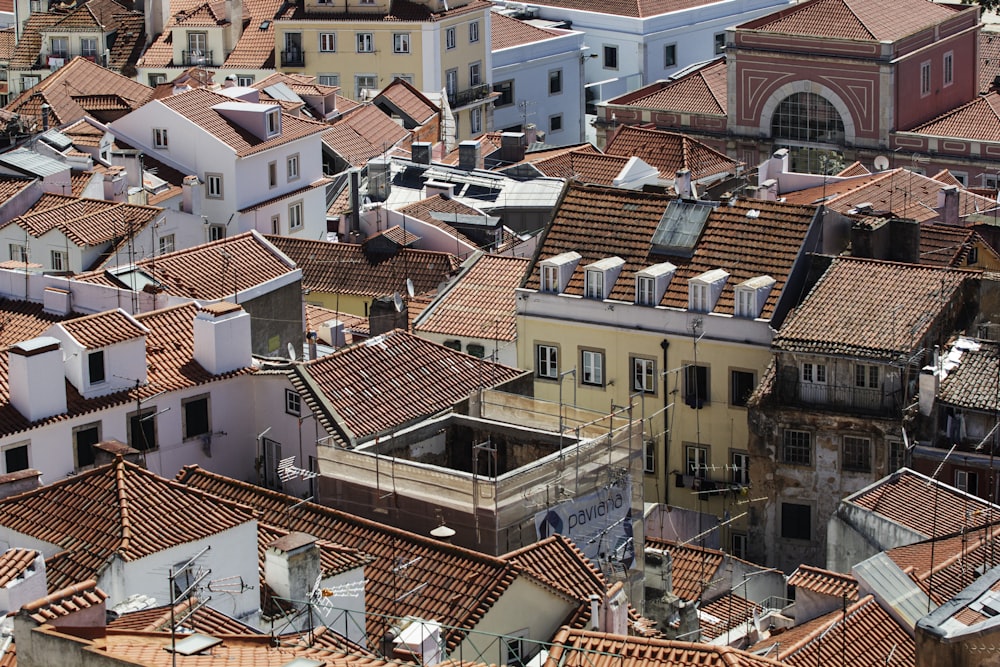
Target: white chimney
{"x":191,"y":197}
{"x":292,"y":566}
{"x":37,"y":380}
{"x":595,"y":611}
{"x":682,"y":184}
{"x":57,"y":301}
{"x":222,"y":337}
{"x":928,"y":386}
{"x":114,"y":184}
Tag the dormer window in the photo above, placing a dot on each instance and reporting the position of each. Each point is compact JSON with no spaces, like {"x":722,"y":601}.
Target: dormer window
{"x":95,"y":367}
{"x":651,"y":283}
{"x":644,"y":288}
{"x":704,"y":290}
{"x":751,"y":295}
{"x":550,"y":279}
{"x":273,"y":120}
{"x":555,"y":272}
{"x":600,"y":277}
{"x":595,"y":284}
{"x":745,"y":303}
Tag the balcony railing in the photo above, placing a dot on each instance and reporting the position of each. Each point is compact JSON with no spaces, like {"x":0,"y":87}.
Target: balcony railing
{"x":202,"y":58}
{"x":295,"y":58}
{"x":877,"y":402}
{"x":463,"y":98}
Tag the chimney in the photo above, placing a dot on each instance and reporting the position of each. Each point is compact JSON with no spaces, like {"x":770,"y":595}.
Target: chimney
{"x":45,"y":116}
{"x":904,"y":240}
{"x":37,"y":379}
{"x":379,"y":178}
{"x":131,"y":160}
{"x":928,"y":384}
{"x":191,"y":201}
{"x":114,"y":184}
{"x":434,"y":188}
{"x":21,"y":481}
{"x":595,"y":611}
{"x":683,"y":183}
{"x":948,"y":204}
{"x":311,"y":337}
{"x":384,"y":316}
{"x":530,"y":134}
{"x":57,"y":301}
{"x":222,"y":337}
{"x":354,"y":176}
{"x":420,"y":151}
{"x":292,"y":566}
{"x":469,"y":155}
{"x":512,"y":147}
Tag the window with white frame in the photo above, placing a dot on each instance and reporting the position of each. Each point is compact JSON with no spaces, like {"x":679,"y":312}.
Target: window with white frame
{"x":746,"y":303}
{"x":366,"y":42}
{"x":547,"y":361}
{"x":643,"y":375}
{"x":59,"y":47}
{"x":474,"y":31}
{"x":949,"y":68}
{"x":214,"y":186}
{"x":449,"y":38}
{"x":925,"y":78}
{"x":244,"y":80}
{"x":160,"y":137}
{"x":88,"y":47}
{"x":720,"y":42}
{"x":293,"y":403}
{"x":475,"y":74}
{"x":328,"y":42}
{"x":18,"y":252}
{"x":329,"y":80}
{"x":550,"y":277}
{"x":866,"y":376}
{"x":740,"y":468}
{"x":292,"y":167}
{"x":272,"y":119}
{"x":796,"y":447}
{"x":60,"y":260}
{"x":698,"y":297}
{"x":814,"y":373}
{"x":738,"y":542}
{"x":592,"y":363}
{"x":295,"y":215}
{"x":476,"y":120}
{"x":696,"y":461}
{"x":216,"y":232}
{"x":167,"y":243}
{"x":857,"y":454}
{"x":276,"y":224}
{"x":363,"y":83}
{"x":645,"y":290}
{"x":401,"y":42}
{"x":272,"y":174}
{"x":594,"y":287}
{"x":968,"y":481}
{"x":451,"y":82}
{"x":897,"y":454}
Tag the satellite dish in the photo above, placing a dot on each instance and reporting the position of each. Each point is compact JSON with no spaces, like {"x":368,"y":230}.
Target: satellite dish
{"x":881,"y":163}
{"x":409,"y":287}
{"x":291,"y":352}
{"x":397,"y":301}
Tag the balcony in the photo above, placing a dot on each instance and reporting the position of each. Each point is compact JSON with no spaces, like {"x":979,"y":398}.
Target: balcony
{"x":860,"y":400}
{"x":295,"y":58}
{"x":464,"y":98}
{"x":198,"y":57}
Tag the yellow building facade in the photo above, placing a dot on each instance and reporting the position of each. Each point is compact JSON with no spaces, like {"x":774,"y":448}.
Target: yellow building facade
{"x":361,"y":47}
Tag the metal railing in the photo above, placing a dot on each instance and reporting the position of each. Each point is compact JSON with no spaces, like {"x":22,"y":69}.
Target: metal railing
{"x":295,"y":58}
{"x":461,"y":98}
{"x":880,"y":402}
{"x":198,"y":58}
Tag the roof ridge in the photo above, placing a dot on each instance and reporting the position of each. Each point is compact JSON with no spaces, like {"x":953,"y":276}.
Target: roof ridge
{"x":124,"y":514}
{"x":847,"y":4}
{"x":808,"y":638}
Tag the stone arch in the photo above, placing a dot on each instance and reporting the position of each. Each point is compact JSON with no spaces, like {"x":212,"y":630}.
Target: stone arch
{"x":789,"y":89}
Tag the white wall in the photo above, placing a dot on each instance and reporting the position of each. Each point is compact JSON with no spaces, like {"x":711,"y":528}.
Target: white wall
{"x":296,"y":434}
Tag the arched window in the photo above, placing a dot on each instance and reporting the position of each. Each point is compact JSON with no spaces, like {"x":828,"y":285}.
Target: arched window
{"x":807,"y":117}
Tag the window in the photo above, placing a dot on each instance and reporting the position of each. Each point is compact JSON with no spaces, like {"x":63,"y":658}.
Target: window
{"x":698,"y":298}
{"x":746,"y":303}
{"x":866,"y":375}
{"x":695,"y":385}
{"x":95,"y":367}
{"x":60,"y":260}
{"x":159,"y":137}
{"x":196,"y":419}
{"x":796,"y":447}
{"x":88,"y":47}
{"x":157,"y":79}
{"x":401,"y":42}
{"x":244,"y":80}
{"x":329,"y":80}
{"x":18,"y":252}
{"x":720,"y":42}
{"x":555,"y":82}
{"x":197,"y":45}
{"x":592,"y":363}
{"x":216,"y":232}
{"x":475,"y":74}
{"x":273,"y":122}
{"x":645,"y":288}
{"x":857,"y":454}
{"x":449,"y":38}
{"x":276,"y":224}
{"x":514,"y":649}
{"x":295,"y":215}
{"x":670,"y":55}
{"x":364,"y":83}
{"x":475,"y":350}
{"x":550,"y":277}
{"x":741,"y":385}
{"x":739,"y":545}
{"x":16,"y":458}
{"x":925,"y":78}
{"x":366,"y":42}
{"x":547,"y":361}
{"x":555,"y":123}
{"x":29,"y":80}
{"x":740,"y":468}
{"x":167,"y":244}
{"x":293,"y":403}
{"x":643,"y":375}
{"x":214,"y":182}
{"x":594,"y":284}
{"x":328,"y":42}
{"x":696,"y":461}
{"x":972,"y":257}
{"x":293,"y":167}
{"x":610,"y":57}
{"x":476,"y":120}
{"x":897,"y":455}
{"x":796,"y":521}
{"x":965,"y":480}
{"x":451,"y":82}
{"x":814,"y":373}
{"x":142,"y":429}
{"x":272,"y":174}
{"x":506,"y":90}
{"x":807,"y":117}
{"x":84,"y":439}
{"x":474,"y":31}
{"x":453,"y":344}
{"x":949,"y":68}
{"x":649,"y":457}
{"x":60,"y":47}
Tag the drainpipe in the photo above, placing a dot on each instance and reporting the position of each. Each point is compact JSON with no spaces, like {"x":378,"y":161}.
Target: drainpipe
{"x":664,"y":344}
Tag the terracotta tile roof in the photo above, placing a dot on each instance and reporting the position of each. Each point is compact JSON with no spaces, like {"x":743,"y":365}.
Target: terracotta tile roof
{"x":29,"y":47}
{"x":584,"y":166}
{"x":977,"y":120}
{"x":582,"y":648}
{"x":77,"y":79}
{"x":602,"y":222}
{"x":426,"y":208}
{"x":973,"y":383}
{"x":948,"y":178}
{"x":119,"y":509}
{"x":945,"y":566}
{"x":670,"y":152}
{"x":362,"y":134}
{"x":160,"y":53}
{"x":381,"y":384}
{"x":103,"y":329}
{"x":947,"y":245}
{"x":634,"y":8}
{"x":409,"y":100}
{"x":461,"y":585}
{"x":347,"y":268}
{"x":13,"y":185}
{"x":86,"y":222}
{"x":7,"y":42}
{"x":13,"y":564}
{"x":317,"y":315}
{"x":66,"y":601}
{"x":865,"y":636}
{"x":864,"y":20}
{"x":508,"y":32}
{"x":989,"y":58}
{"x":255,"y":47}
{"x":128,"y":43}
{"x":728,"y":612}
{"x":396,"y":235}
{"x":824,"y":582}
{"x":204,"y":619}
{"x":886,"y":298}
{"x":693,"y":567}
{"x":702,"y":91}
{"x":209,"y":271}
{"x":480,"y":303}
{"x":895,"y":497}
{"x":854,"y":169}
